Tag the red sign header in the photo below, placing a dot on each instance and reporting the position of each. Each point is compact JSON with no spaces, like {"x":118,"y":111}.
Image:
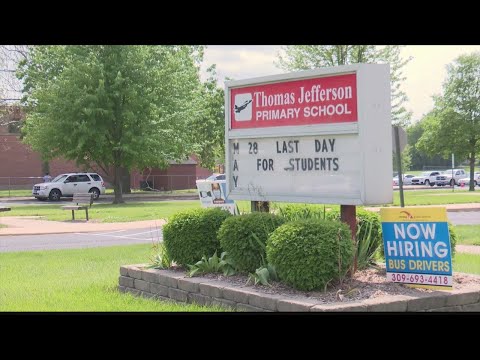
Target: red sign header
{"x":322,"y":100}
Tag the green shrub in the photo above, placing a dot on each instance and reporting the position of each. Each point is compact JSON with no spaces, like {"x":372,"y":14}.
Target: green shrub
{"x":309,"y":254}
{"x":453,"y":237}
{"x":191,"y":234}
{"x":243,"y":238}
{"x":263,"y":275}
{"x":159,"y":258}
{"x":368,"y":222}
{"x":213,"y":264}
{"x":294,"y":212}
{"x":365,"y":246}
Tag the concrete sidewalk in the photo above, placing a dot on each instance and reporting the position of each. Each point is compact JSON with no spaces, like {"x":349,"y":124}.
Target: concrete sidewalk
{"x":34,"y":225}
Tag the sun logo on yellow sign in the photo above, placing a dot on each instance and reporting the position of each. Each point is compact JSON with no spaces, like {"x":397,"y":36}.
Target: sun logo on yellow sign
{"x":409,"y":216}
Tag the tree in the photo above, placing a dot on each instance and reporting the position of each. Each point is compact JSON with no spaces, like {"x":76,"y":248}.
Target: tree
{"x":209,"y":125}
{"x":10,"y":87}
{"x":305,"y":57}
{"x":418,"y":157}
{"x":454,"y":124}
{"x":115,"y":107}
{"x":406,"y":160}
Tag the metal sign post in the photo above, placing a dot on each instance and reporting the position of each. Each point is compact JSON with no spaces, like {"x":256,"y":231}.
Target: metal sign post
{"x":399,"y":165}
{"x":453,"y":178}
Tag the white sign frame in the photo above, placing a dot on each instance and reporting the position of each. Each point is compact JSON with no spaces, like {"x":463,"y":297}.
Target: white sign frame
{"x":373,"y":128}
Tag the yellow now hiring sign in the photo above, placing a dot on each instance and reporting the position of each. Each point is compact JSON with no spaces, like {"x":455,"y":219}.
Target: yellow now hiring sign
{"x":417,"y":246}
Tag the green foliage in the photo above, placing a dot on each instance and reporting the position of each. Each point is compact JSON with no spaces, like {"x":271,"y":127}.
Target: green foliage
{"x":160,"y":258}
{"x":213,"y":264}
{"x":454,"y":124}
{"x":306,"y":57}
{"x":192,"y":234}
{"x":453,"y":237}
{"x":263,"y":275}
{"x":293,"y":212}
{"x":244,"y":238}
{"x":369,"y":226}
{"x":112,"y":106}
{"x":418,"y":157}
{"x":208,"y":127}
{"x":366,"y":245}
{"x":309,"y":254}
{"x":406,"y":160}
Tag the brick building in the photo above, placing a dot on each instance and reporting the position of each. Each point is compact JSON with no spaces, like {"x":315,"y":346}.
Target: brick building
{"x":20,"y":167}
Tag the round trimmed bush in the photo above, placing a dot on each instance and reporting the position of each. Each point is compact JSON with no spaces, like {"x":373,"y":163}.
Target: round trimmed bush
{"x":243,"y":238}
{"x":191,"y":234}
{"x":308,"y":254}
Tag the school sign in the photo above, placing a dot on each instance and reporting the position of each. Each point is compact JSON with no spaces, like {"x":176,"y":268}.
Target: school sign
{"x":417,"y":246}
{"x":318,"y":136}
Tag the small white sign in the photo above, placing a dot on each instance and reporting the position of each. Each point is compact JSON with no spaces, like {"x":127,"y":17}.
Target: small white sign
{"x":213,"y":194}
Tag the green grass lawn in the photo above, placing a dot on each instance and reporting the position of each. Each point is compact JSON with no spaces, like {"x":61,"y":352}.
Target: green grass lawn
{"x":108,"y":212}
{"x":437,"y":197}
{"x":15,"y":193}
{"x":75,"y":280}
{"x":468,"y":234}
{"x":466,"y":263}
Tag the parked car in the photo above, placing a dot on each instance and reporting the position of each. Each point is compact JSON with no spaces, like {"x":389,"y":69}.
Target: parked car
{"x":407,"y":179}
{"x":454,"y":176}
{"x":442,"y":180}
{"x":427,"y":178}
{"x":466,"y":181}
{"x":65,"y":185}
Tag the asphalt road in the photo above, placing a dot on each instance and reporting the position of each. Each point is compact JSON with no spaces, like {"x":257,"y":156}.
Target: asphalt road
{"x":464,"y":217}
{"x":79,"y":240}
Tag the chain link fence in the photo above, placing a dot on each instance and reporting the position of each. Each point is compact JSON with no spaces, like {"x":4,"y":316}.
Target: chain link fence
{"x":166,"y":183}
{"x":12,"y":184}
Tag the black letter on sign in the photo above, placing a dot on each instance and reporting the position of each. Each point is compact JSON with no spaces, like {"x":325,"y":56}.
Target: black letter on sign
{"x":235,"y":166}
{"x":235,"y":179}
{"x":236,"y":148}
{"x":335,"y":164}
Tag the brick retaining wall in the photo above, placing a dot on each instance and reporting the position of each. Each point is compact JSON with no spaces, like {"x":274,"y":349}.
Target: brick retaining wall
{"x":169,"y":285}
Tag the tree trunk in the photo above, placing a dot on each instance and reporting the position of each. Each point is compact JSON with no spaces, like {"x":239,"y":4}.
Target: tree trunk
{"x":117,"y":186}
{"x":472,"y":172}
{"x":45,"y":167}
{"x":126,"y":186}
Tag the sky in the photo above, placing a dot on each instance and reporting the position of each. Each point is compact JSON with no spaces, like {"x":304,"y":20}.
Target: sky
{"x":425,"y":73}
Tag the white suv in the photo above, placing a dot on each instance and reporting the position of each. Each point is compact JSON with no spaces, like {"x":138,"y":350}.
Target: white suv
{"x":68,"y":184}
